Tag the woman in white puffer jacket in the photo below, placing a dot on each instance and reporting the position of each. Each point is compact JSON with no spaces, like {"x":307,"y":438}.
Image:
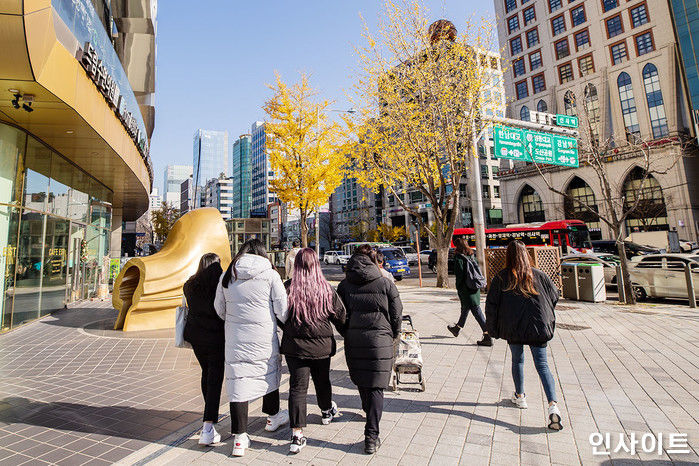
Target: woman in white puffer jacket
{"x":250,"y":298}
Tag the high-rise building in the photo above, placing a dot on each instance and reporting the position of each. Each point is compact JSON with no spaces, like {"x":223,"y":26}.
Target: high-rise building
{"x":685,"y":15}
{"x":218,"y":193}
{"x":242,"y":176}
{"x":261,"y":172}
{"x":614,"y":64}
{"x":173,"y":177}
{"x":210,"y":158}
{"x":186,"y":193}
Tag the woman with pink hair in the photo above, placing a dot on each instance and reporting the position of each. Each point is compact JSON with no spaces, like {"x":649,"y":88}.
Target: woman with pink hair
{"x":308,"y":342}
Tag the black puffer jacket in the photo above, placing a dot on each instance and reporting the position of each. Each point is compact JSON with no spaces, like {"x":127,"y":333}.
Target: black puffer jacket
{"x":374,"y":315}
{"x":204,"y":327}
{"x":518,"y":319}
{"x":302,"y":341}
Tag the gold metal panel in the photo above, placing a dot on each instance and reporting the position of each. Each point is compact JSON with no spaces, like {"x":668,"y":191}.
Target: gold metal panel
{"x":31,"y":6}
{"x":14,"y":63}
{"x":10,"y":7}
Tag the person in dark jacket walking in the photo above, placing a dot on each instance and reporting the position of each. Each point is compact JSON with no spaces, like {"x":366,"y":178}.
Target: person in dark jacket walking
{"x":374,"y":313}
{"x":308,"y":342}
{"x":470,"y":298}
{"x":204,"y":331}
{"x":520,"y":309}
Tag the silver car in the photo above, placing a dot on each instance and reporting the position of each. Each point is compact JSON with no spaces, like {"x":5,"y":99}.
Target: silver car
{"x":410,"y":254}
{"x":608,"y":261}
{"x":663,"y":275}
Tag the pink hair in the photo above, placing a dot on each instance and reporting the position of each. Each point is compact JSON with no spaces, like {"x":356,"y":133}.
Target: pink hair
{"x":310,"y":294}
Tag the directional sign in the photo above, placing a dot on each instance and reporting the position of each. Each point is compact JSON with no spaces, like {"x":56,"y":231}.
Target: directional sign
{"x":567,"y":120}
{"x":508,"y":143}
{"x":539,"y":146}
{"x":528,"y":146}
{"x":565,"y":151}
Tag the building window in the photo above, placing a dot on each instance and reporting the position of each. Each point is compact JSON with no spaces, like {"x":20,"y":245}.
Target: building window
{"x":516,"y":46}
{"x":578,"y":202}
{"x":642,"y":191}
{"x":484,"y":171}
{"x":562,"y":49}
{"x":531,"y":209}
{"x":565,"y":73}
{"x":586,"y":65}
{"x":569,"y":105}
{"x":609,"y":5}
{"x":654,"y":97}
{"x":510,"y":5}
{"x":535,"y":60}
{"x":577,"y":16}
{"x":518,"y":67}
{"x":555,"y":5}
{"x":618,"y":52}
{"x":524,"y":113}
{"x":592,"y":110}
{"x":614,"y":26}
{"x":558,"y":25}
{"x":582,"y":40}
{"x":522,"y":90}
{"x":532,"y":37}
{"x":512,"y":24}
{"x":538,"y":83}
{"x":529,"y":15}
{"x":628,"y":106}
{"x":541,"y":106}
{"x":644,"y":43}
{"x":639,"y":15}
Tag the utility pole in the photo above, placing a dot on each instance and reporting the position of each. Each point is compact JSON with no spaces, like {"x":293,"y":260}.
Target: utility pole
{"x":477,"y":216}
{"x":318,"y":232}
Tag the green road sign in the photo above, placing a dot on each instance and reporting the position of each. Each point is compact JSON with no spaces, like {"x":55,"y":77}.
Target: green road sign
{"x":567,"y":120}
{"x":528,"y":146}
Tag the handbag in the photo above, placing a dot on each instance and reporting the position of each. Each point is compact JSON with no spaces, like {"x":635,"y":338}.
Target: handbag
{"x":180,"y":323}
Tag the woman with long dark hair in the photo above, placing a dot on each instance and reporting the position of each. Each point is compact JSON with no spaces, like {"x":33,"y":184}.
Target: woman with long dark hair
{"x":250,"y":299}
{"x":470,"y":298}
{"x":204,"y":331}
{"x":520,"y":309}
{"x":308,"y":342}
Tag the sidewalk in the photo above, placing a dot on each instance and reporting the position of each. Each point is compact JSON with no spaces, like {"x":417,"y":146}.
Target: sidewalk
{"x":103,"y":397}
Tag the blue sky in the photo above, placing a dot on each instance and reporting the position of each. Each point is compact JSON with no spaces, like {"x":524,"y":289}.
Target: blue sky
{"x":215,"y":58}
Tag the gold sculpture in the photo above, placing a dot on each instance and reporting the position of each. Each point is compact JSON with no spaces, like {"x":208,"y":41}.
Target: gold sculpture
{"x":148,"y":289}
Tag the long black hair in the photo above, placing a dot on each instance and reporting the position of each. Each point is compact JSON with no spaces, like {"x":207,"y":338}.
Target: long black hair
{"x":205,"y":280}
{"x":251,"y":246}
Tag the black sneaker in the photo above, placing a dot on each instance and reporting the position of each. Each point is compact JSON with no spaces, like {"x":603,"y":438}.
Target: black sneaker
{"x":454,"y":329}
{"x":371,"y":445}
{"x":486,"y":341}
{"x":297,"y":444}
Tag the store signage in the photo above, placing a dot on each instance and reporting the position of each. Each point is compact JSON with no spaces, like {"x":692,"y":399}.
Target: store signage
{"x":109,"y":89}
{"x":567,"y":120}
{"x":535,"y":146}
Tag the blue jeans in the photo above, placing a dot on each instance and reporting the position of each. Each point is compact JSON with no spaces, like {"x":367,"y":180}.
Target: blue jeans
{"x":542,"y":367}
{"x":477,"y":313}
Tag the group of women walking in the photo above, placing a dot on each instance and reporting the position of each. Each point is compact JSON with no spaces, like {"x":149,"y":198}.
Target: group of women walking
{"x":234,"y":316}
{"x":232,"y":323}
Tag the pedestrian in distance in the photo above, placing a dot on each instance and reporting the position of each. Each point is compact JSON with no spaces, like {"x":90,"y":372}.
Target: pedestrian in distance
{"x":380,"y":261}
{"x":308,"y":342}
{"x":250,"y":298}
{"x":465,"y":270}
{"x":520,"y":309}
{"x":374,"y":313}
{"x":204,"y":331}
{"x":290,"y":256}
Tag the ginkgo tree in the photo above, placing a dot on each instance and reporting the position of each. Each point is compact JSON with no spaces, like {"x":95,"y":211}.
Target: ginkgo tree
{"x":419,"y":94}
{"x":305,"y":148}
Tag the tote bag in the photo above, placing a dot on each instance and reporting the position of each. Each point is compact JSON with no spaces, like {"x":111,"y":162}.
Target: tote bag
{"x":180,"y":322}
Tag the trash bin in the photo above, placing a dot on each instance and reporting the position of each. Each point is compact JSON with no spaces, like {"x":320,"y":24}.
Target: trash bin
{"x":569,"y":280}
{"x":591,"y":285}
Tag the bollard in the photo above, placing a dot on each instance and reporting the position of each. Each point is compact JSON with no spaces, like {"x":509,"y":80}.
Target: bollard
{"x":690,"y":286}
{"x":620,"y":284}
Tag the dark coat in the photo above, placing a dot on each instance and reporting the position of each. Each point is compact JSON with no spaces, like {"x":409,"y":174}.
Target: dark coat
{"x":305,"y":342}
{"x":374,"y":315}
{"x":204,"y":327}
{"x":468,"y":297}
{"x":518,"y":319}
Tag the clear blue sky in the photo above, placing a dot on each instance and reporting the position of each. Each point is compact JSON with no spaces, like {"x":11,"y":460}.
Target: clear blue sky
{"x":215,"y":59}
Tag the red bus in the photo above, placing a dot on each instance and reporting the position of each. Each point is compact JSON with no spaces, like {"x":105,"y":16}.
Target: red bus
{"x":571,"y":235}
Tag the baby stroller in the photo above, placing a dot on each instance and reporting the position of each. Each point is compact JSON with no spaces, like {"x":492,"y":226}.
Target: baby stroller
{"x":408,"y":356}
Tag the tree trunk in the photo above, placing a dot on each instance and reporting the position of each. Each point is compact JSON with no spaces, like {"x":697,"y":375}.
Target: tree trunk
{"x":442,"y":261}
{"x":624,"y":263}
{"x":304,"y":229}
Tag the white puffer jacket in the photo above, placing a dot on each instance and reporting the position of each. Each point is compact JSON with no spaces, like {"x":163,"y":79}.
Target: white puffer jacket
{"x":250,"y":306}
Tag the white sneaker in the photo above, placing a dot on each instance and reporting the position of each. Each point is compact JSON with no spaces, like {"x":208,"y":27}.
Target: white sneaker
{"x":519,"y":401}
{"x":555,"y":420}
{"x":209,"y":437}
{"x":326,"y":417}
{"x":276,"y":421}
{"x":241,"y":442}
{"x":297,"y":443}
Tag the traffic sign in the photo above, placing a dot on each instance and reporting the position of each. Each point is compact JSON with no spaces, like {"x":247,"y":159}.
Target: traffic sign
{"x":508,"y":143}
{"x":567,"y":120}
{"x":535,"y":146}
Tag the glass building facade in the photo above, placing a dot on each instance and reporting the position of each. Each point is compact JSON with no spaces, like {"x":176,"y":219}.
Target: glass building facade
{"x":55,"y":222}
{"x":242,"y":176}
{"x":261,"y":172}
{"x":685,"y":15}
{"x":210,"y":158}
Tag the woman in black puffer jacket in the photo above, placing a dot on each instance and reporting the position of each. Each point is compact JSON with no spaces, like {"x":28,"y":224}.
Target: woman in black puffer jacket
{"x":374,"y":315}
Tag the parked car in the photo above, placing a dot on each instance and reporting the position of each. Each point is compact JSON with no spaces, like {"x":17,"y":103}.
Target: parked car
{"x":632,"y":249}
{"x":410,"y":254}
{"x":331,"y":257}
{"x":425,"y":256}
{"x":608,"y":261}
{"x":395,"y":262}
{"x":432,"y":262}
{"x":663,"y":275}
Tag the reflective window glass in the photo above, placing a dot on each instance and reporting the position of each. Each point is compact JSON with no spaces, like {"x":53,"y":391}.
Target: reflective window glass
{"x":12,"y":142}
{"x":29,"y":267}
{"x":54,"y":267}
{"x":9,"y":223}
{"x":59,"y":189}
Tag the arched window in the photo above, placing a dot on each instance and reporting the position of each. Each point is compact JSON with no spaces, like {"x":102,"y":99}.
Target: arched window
{"x":654,"y":96}
{"x":592,"y":110}
{"x":541,"y":106}
{"x":531,"y":209}
{"x":569,"y":104}
{"x":628,"y":106}
{"x":524,"y":113}
{"x":643,"y":196}
{"x":579,"y":196}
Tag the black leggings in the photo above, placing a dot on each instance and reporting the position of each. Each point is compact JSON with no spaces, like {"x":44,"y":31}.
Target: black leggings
{"x":372,"y":405}
{"x":212,"y":362}
{"x":239,"y":411}
{"x":299,"y":371}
